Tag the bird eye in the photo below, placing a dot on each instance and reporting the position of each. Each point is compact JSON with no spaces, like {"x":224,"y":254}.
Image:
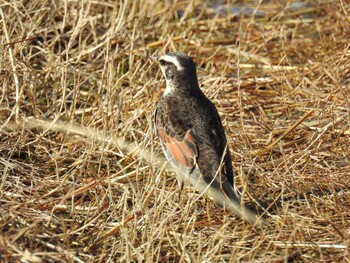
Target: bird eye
{"x":162,"y":62}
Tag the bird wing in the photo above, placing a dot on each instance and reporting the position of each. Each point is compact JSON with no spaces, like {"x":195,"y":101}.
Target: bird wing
{"x":218,"y":140}
{"x":180,"y":146}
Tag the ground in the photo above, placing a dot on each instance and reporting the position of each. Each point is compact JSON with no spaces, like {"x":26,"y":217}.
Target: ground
{"x":83,"y":178}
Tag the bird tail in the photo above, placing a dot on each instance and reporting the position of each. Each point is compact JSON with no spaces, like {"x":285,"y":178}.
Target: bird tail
{"x":227,"y":197}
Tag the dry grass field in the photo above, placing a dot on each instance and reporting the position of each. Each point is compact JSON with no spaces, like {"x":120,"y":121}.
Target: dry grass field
{"x":83,"y":178}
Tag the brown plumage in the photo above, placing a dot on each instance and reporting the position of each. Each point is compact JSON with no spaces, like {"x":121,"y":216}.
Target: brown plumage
{"x":190,"y":128}
{"x":191,"y":133}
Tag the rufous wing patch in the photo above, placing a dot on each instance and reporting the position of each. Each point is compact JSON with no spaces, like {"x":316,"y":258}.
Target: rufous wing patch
{"x":182,"y":150}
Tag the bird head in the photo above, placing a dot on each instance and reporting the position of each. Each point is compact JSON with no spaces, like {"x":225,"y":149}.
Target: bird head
{"x":179,"y":71}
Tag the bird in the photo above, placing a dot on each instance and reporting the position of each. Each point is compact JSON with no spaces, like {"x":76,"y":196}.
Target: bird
{"x":191,"y":133}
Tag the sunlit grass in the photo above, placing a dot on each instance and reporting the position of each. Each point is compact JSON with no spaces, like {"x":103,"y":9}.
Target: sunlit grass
{"x":83,"y":177}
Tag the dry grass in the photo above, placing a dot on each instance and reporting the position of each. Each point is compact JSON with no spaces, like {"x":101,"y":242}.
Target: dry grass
{"x":82,"y":175}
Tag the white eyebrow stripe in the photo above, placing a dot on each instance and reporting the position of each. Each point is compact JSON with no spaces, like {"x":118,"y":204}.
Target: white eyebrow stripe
{"x":173,"y":60}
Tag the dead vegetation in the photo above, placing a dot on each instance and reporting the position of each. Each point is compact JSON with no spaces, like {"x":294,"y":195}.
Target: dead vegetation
{"x":82,"y":175}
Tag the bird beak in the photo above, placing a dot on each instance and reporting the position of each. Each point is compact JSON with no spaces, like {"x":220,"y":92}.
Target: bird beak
{"x":154,"y":58}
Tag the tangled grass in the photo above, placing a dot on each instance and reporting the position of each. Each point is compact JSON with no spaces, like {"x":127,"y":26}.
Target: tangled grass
{"x":82,"y":175}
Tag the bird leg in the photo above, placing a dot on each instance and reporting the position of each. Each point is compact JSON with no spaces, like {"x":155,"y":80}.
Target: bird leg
{"x":181,"y":183}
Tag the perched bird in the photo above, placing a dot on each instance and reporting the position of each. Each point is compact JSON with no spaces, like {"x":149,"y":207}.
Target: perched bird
{"x":191,"y":133}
